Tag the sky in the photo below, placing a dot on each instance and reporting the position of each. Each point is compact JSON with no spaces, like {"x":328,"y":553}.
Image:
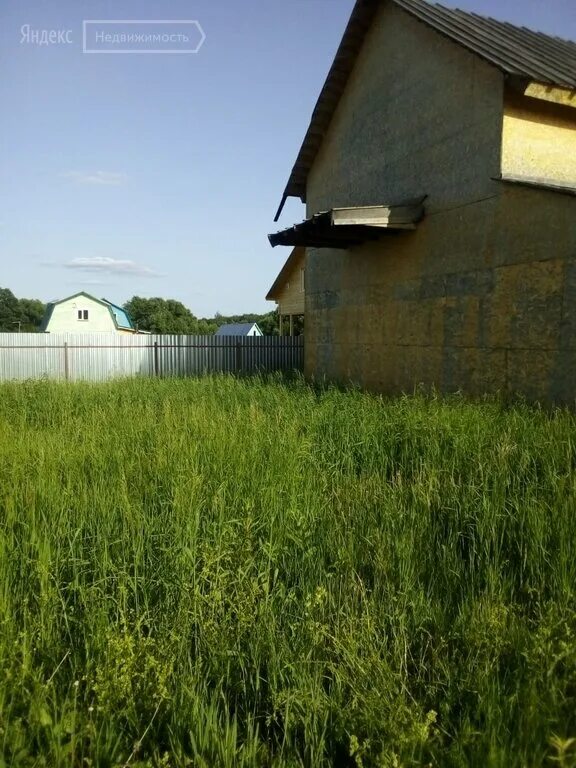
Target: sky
{"x":159,"y":175}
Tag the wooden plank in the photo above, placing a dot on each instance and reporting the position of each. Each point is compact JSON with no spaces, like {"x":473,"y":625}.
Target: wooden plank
{"x":376,"y":215}
{"x":554,"y":94}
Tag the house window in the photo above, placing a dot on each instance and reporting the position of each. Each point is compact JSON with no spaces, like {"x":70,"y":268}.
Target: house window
{"x":82,"y":314}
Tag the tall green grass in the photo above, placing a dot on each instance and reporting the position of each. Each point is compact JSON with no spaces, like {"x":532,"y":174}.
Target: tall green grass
{"x":224,"y":572}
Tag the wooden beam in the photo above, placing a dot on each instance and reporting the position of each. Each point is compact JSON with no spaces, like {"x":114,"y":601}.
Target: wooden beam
{"x":401,"y":216}
{"x":538,"y":183}
{"x":556,"y":95}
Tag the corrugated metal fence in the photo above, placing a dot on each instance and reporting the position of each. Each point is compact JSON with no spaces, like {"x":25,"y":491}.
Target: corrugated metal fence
{"x":102,"y":356}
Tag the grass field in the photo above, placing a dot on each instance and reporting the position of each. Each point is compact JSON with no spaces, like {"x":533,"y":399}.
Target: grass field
{"x":224,"y":572}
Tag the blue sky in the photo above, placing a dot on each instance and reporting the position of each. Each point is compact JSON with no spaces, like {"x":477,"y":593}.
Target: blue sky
{"x":160,"y":174}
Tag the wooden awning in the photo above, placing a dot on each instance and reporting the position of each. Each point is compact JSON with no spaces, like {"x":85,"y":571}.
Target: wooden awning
{"x":347,"y":227}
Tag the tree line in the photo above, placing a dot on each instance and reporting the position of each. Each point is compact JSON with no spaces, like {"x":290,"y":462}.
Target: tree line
{"x":156,"y":315}
{"x":19,"y":314}
{"x":170,"y":316}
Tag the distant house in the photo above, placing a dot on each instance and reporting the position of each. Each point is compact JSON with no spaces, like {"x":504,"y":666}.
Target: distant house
{"x":82,"y":313}
{"x":288,"y":290}
{"x":239,"y":329}
{"x":439,"y":175}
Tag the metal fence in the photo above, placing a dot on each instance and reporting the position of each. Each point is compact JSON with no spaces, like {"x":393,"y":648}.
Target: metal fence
{"x":102,"y":356}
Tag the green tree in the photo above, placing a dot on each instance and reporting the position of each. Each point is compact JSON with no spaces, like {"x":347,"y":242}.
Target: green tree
{"x":9,"y":314}
{"x":19,"y":314}
{"x":161,"y":315}
{"x":31,"y":314}
{"x":269,"y":324}
{"x":169,"y":316}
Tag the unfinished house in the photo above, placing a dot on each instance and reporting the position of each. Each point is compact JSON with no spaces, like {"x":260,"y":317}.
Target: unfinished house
{"x":288,"y":291}
{"x":439,"y":176}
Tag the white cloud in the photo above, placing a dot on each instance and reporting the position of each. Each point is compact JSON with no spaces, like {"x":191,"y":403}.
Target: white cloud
{"x":101,"y":178}
{"x":107,"y":265}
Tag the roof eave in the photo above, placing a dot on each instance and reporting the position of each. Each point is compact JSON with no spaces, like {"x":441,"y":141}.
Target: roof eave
{"x":352,"y":40}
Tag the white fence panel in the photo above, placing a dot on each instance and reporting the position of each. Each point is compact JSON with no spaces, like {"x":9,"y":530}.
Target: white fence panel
{"x":103,"y":356}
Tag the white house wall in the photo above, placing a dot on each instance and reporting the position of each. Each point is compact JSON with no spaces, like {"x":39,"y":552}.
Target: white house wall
{"x":64,"y":317}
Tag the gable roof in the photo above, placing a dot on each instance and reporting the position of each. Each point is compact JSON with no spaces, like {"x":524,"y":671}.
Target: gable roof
{"x":295,"y":255}
{"x":516,"y":51}
{"x":236,"y":329}
{"x":119,"y":316}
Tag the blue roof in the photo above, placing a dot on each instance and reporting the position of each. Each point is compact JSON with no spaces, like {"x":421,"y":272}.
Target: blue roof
{"x":237,"y":329}
{"x":120,"y":315}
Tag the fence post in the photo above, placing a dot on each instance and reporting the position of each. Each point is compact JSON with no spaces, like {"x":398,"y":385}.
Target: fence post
{"x":156,"y":362}
{"x":238,"y":356}
{"x":66,"y":362}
